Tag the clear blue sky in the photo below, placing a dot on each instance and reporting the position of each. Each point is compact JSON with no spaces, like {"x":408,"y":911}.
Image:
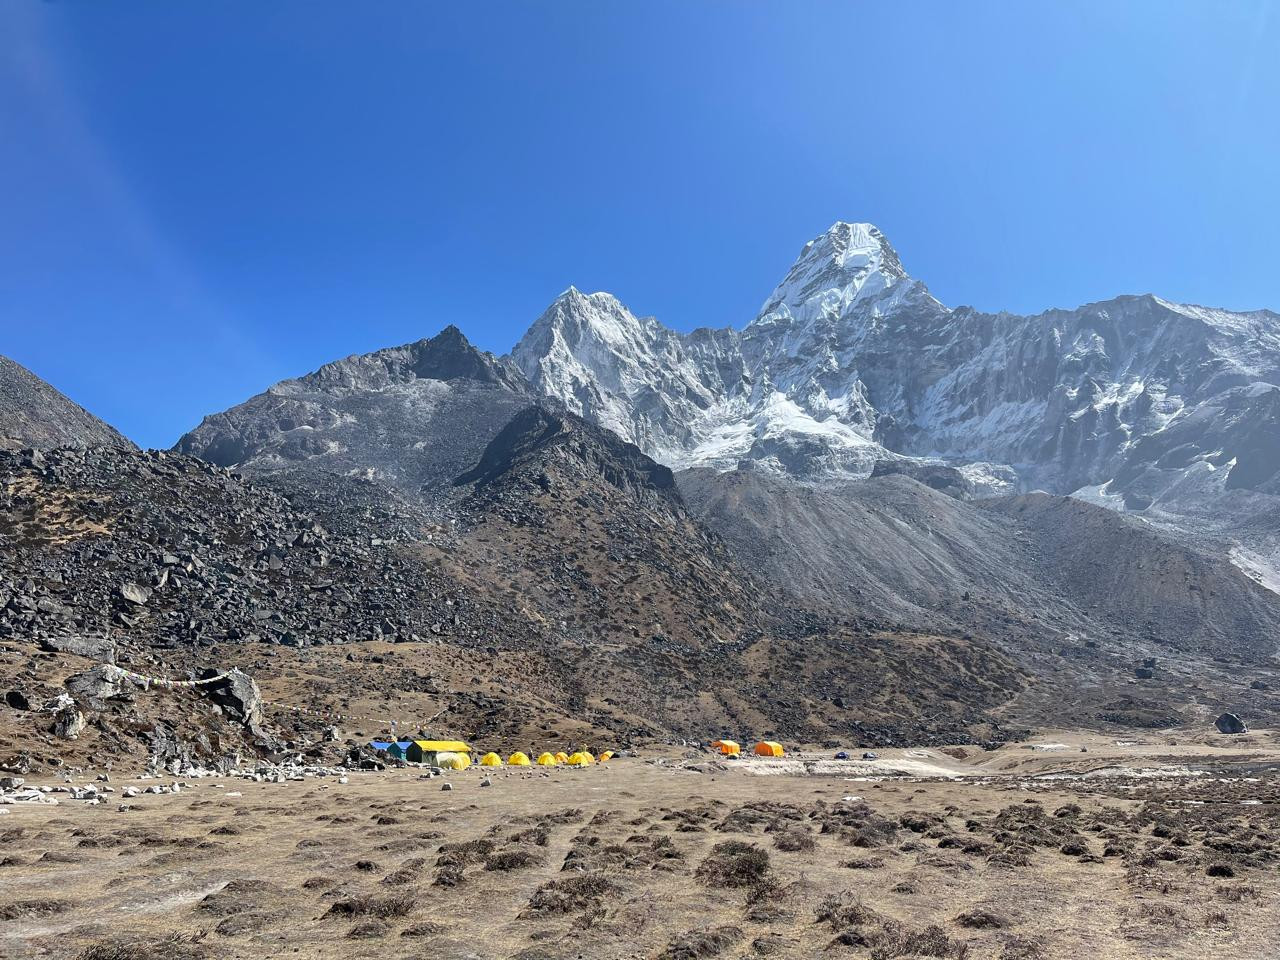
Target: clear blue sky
{"x":203,"y":198}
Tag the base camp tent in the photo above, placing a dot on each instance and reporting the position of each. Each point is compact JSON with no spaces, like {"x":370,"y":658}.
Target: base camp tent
{"x":730,"y":748}
{"x":769,"y":748}
{"x":430,"y":751}
{"x":606,"y":756}
{"x":396,"y":749}
{"x":562,"y":757}
{"x":518,"y":759}
{"x":581,"y":760}
{"x":491,"y":760}
{"x":453,"y":761}
{"x":547,"y":760}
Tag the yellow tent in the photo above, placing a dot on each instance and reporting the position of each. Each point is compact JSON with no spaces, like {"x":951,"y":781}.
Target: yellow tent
{"x":730,"y":748}
{"x":430,"y":751}
{"x":606,"y":756}
{"x":581,"y":760}
{"x":518,"y":759}
{"x":453,"y":761}
{"x":562,"y":757}
{"x":547,"y":760}
{"x":491,"y":760}
{"x":769,"y":748}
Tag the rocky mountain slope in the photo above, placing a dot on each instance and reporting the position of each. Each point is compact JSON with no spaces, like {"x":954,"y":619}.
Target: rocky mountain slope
{"x":1036,"y":570}
{"x":413,"y":417}
{"x":34,"y":414}
{"x":851,"y":368}
{"x":1136,"y":402}
{"x":569,"y":597}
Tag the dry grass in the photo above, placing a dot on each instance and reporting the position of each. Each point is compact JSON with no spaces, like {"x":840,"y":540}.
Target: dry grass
{"x":644,"y":861}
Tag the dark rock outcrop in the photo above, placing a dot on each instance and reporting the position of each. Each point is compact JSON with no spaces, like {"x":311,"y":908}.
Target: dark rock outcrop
{"x":1230,"y":723}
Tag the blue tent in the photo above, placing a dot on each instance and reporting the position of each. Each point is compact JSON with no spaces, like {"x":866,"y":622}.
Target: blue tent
{"x":380,"y":745}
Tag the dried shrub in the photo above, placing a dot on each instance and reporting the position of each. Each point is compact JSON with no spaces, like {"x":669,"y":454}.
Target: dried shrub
{"x":982,"y":920}
{"x":702,"y":943}
{"x":511,"y":860}
{"x":734,"y":864}
{"x":21,"y":909}
{"x":864,"y":863}
{"x":173,"y":947}
{"x":396,"y":905}
{"x":571,"y":893}
{"x":369,"y":930}
{"x":794,"y":841}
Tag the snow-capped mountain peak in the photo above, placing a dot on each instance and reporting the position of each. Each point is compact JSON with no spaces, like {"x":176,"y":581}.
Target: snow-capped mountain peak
{"x":848,"y":263}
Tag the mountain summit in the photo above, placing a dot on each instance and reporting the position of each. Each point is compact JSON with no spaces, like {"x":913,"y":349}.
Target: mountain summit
{"x":850,"y":262}
{"x":412,"y":416}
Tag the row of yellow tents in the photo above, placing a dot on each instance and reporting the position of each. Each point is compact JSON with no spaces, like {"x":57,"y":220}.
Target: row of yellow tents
{"x":765,"y":748}
{"x":580,"y":758}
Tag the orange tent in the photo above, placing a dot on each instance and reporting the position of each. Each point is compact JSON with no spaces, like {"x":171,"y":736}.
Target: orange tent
{"x":769,"y":748}
{"x":730,"y":748}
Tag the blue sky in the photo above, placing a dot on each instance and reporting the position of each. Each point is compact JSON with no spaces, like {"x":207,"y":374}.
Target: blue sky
{"x":203,"y":198}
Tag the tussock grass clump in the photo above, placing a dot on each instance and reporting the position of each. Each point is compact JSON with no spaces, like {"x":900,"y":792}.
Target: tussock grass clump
{"x":466,"y":853}
{"x":511,"y":860}
{"x":734,"y":864}
{"x":369,"y":930}
{"x":21,"y":909}
{"x":427,"y":929}
{"x":237,"y":896}
{"x":572,"y":893}
{"x":840,"y":910}
{"x":173,"y":947}
{"x":451,"y":876}
{"x":982,"y":920}
{"x":896,"y":940}
{"x":238,"y":924}
{"x":794,"y":841}
{"x":697,"y":944}
{"x":864,"y":863}
{"x":396,"y":905}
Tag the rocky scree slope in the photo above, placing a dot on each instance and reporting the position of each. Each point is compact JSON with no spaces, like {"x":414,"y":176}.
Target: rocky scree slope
{"x":517,"y":623}
{"x":1102,"y":608}
{"x":1034,"y":568}
{"x":585,"y":533}
{"x":34,"y":414}
{"x":168,"y":565}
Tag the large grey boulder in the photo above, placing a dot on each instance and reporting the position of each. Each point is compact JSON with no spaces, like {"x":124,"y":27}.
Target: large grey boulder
{"x":68,"y":723}
{"x":238,"y":694}
{"x":1230,"y":723}
{"x":95,"y":687}
{"x":102,"y":649}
